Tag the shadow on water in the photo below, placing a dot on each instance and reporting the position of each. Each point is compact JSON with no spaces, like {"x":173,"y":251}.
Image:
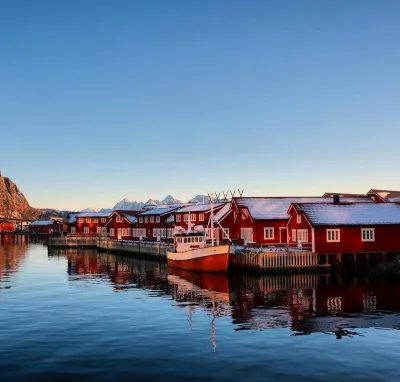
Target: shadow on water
{"x":305,"y":303}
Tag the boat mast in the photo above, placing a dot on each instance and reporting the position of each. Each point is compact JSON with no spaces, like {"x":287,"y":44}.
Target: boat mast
{"x":212,"y":219}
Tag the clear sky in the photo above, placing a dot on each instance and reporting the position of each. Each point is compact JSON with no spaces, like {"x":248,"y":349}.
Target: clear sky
{"x":101,"y":100}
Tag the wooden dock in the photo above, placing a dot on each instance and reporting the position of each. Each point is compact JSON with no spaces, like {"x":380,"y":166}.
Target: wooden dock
{"x":252,"y":259}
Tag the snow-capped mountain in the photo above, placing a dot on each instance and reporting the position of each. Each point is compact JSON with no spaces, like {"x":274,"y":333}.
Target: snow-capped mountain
{"x":202,"y":199}
{"x":152,"y":202}
{"x":89,"y":210}
{"x":169,"y":199}
{"x":126,"y":204}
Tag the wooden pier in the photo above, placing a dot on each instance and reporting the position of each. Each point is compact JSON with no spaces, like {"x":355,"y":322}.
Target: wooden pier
{"x":251,"y":259}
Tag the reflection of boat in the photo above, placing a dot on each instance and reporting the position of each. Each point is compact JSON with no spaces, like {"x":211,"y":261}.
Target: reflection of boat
{"x":208,"y":291}
{"x":193,"y":251}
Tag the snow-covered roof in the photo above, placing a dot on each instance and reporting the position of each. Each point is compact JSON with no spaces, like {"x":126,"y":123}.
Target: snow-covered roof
{"x":170,"y":219}
{"x":223,"y":212}
{"x":72,"y":218}
{"x":275,"y":208}
{"x":199,"y":208}
{"x":93,"y":215}
{"x":351,"y":214}
{"x":131,"y":218}
{"x":42,"y":222}
{"x":158,"y":211}
{"x":387,"y":195}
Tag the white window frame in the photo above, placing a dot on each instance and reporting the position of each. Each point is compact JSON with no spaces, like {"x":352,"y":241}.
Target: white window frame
{"x":192,"y":217}
{"x":73,"y":230}
{"x":98,"y":230}
{"x":151,"y":219}
{"x":170,"y":233}
{"x":185,"y":218}
{"x":95,"y":220}
{"x":269,"y":233}
{"x":104,"y":230}
{"x":245,"y":231}
{"x":157,"y":219}
{"x":178,"y":218}
{"x":146,"y":219}
{"x":80,"y":220}
{"x":103,"y":220}
{"x":201,"y":217}
{"x":140,"y":219}
{"x":118,"y":219}
{"x":333,"y":235}
{"x":88,"y":220}
{"x":302,"y":234}
{"x":298,"y":219}
{"x":367,"y":234}
{"x":294,"y":236}
{"x":225,"y":233}
{"x":85,"y":230}
{"x":112,"y":232}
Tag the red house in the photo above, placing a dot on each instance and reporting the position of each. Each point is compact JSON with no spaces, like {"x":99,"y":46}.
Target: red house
{"x":7,"y":225}
{"x":263,"y":220}
{"x":90,"y":223}
{"x":155,"y":224}
{"x":345,"y":227}
{"x":121,"y":225}
{"x":46,"y":226}
{"x":384,"y":196}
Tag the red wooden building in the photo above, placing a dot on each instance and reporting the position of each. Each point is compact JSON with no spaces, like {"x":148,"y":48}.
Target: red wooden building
{"x":46,"y":226}
{"x":90,"y":223}
{"x":345,"y":227}
{"x":155,"y":224}
{"x":263,"y":220}
{"x":7,"y":225}
{"x":121,"y":225}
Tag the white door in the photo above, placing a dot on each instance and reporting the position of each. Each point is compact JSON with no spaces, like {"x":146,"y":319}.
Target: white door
{"x":246,"y":234}
{"x":119,"y":233}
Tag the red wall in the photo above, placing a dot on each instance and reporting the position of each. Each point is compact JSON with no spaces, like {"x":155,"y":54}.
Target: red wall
{"x":7,"y":227}
{"x":112,"y":223}
{"x":150,"y":226}
{"x":292,"y":224}
{"x":387,"y":238}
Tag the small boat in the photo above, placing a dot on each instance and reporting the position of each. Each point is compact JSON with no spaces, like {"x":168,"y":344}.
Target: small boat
{"x":194,"y":251}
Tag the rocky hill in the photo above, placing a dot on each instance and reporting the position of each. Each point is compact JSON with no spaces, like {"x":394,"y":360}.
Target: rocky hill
{"x":13,"y":203}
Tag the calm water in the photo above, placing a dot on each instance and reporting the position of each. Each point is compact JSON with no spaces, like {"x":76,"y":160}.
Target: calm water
{"x":99,"y":317}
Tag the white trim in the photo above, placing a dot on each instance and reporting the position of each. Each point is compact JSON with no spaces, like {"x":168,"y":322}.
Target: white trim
{"x":201,"y":216}
{"x":151,"y":219}
{"x":294,"y":236}
{"x":140,"y":219}
{"x":367,"y":234}
{"x":302,"y":235}
{"x":112,"y":232}
{"x":157,"y":219}
{"x":178,"y":218}
{"x":312,"y":239}
{"x":298,"y":219}
{"x":86,"y":230}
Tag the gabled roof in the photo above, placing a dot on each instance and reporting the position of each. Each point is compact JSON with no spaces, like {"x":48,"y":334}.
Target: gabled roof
{"x":359,"y":214}
{"x":223,"y":213}
{"x":275,"y":208}
{"x":158,"y":211}
{"x":93,"y":214}
{"x":170,"y":219}
{"x":200,"y":208}
{"x":386,"y":195}
{"x":130,"y":215}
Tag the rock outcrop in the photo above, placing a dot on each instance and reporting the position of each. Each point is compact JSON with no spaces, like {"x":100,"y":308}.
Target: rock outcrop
{"x":13,"y":203}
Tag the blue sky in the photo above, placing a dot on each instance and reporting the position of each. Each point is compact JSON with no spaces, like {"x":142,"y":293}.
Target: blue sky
{"x":101,"y":100}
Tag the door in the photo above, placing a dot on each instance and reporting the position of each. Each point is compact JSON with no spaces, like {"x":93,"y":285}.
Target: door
{"x":119,"y":234}
{"x":283,"y":235}
{"x":246,"y":234}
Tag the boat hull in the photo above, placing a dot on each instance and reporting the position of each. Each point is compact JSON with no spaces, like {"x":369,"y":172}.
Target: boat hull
{"x":208,"y":259}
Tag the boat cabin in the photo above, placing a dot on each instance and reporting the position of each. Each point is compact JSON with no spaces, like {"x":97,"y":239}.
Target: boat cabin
{"x":186,"y":241}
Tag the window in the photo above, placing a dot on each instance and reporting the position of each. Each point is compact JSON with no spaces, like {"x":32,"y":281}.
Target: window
{"x":88,"y":220}
{"x":118,"y":219}
{"x":146,"y":219}
{"x":73,"y":230}
{"x":192,"y":217}
{"x":154,"y":232}
{"x":99,"y":230}
{"x":103,"y":220}
{"x":104,"y":230}
{"x":157,"y":219}
{"x":80,"y":220}
{"x":178,"y":218}
{"x":225,"y":233}
{"x":201,"y":217}
{"x":367,"y":234}
{"x":151,"y":219}
{"x":298,"y":219}
{"x":333,"y":235}
{"x":112,"y":232}
{"x":85,"y":229}
{"x":186,"y":217}
{"x":294,"y":236}
{"x":140,"y":220}
{"x":126,"y":231}
{"x":246,"y":234}
{"x":170,"y":233}
{"x":268,"y":233}
{"x":95,"y":220}
{"x":302,"y":235}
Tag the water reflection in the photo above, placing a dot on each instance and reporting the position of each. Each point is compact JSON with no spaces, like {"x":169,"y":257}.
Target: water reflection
{"x":303,"y":303}
{"x":11,"y":258}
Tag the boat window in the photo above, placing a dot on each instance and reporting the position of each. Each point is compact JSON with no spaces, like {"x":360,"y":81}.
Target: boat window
{"x":179,"y":240}
{"x":185,"y":240}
